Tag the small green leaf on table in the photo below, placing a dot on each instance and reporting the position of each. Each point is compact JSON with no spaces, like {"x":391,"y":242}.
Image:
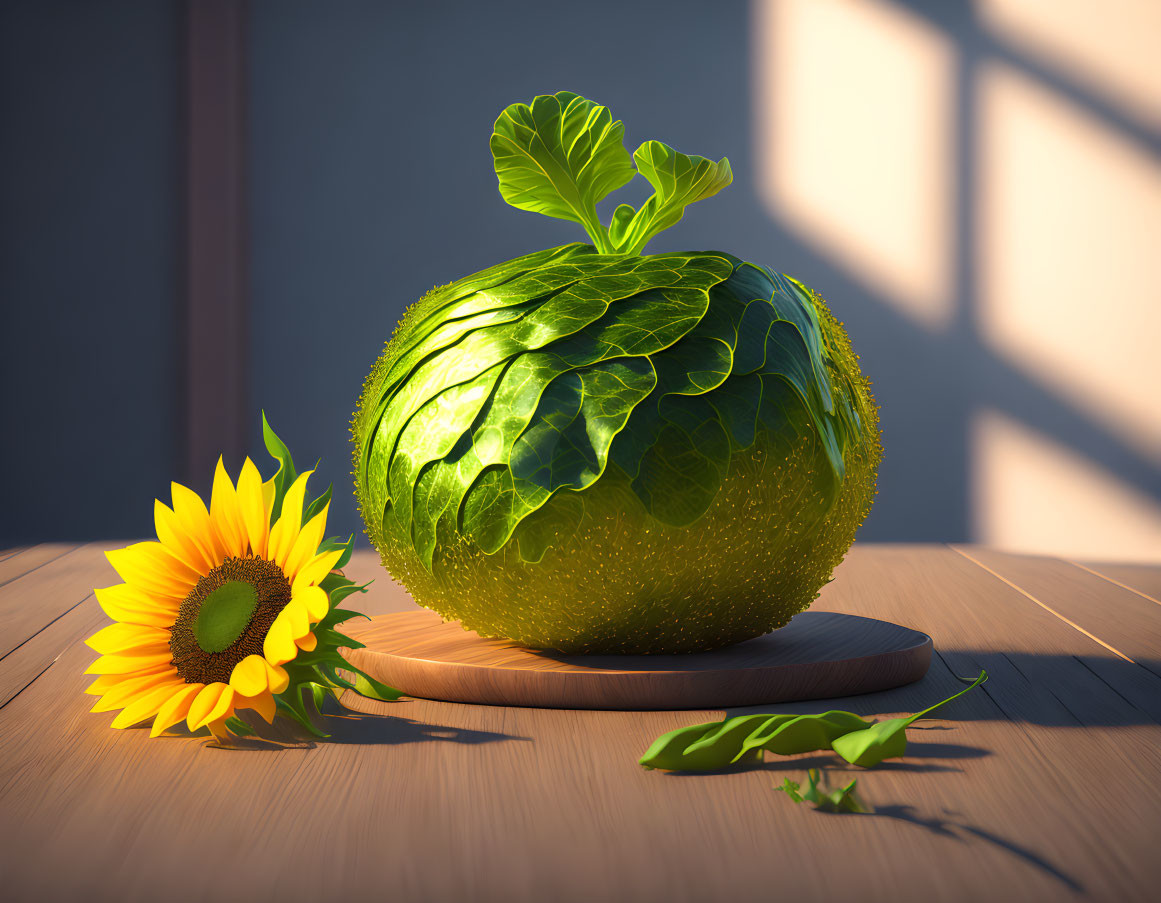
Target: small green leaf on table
{"x":842,"y":799}
{"x":790,"y":788}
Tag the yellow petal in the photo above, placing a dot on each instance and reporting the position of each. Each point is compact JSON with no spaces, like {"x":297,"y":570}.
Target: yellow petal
{"x":104,"y":683}
{"x":211,"y":704}
{"x":276,"y":677}
{"x":225,"y":514}
{"x":134,"y":606}
{"x":119,"y":637}
{"x":268,"y":493}
{"x":149,"y":566}
{"x":249,"y":675}
{"x":263,"y":704}
{"x":314,"y":600}
{"x":224,"y":708}
{"x":297,"y":617}
{"x":315,"y":569}
{"x":175,"y":708}
{"x":203,"y":704}
{"x":218,"y":728}
{"x":284,"y":533}
{"x":146,"y":705}
{"x":176,"y":541}
{"x":107,"y":682}
{"x":306,"y":643}
{"x":125,"y":664}
{"x":128,"y":690}
{"x":306,"y":546}
{"x":194,"y":518}
{"x":278,"y":647}
{"x":255,"y":520}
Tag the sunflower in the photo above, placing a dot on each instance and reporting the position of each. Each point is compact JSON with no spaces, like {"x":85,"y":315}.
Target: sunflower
{"x":224,"y":611}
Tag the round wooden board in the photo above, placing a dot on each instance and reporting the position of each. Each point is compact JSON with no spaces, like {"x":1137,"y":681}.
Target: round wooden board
{"x":818,"y":655}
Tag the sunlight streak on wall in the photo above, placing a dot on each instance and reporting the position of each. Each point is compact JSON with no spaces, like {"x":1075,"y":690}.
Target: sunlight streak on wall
{"x":856,"y":123}
{"x":1102,"y":43}
{"x":1036,"y":496}
{"x":854,"y":119}
{"x":1069,"y":232}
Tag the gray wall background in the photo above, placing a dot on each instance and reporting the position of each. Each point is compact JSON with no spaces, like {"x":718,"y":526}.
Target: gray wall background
{"x":371,"y":181}
{"x":89,"y":364}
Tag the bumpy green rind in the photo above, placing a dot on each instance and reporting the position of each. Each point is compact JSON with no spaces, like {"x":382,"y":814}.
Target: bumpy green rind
{"x":606,"y":454}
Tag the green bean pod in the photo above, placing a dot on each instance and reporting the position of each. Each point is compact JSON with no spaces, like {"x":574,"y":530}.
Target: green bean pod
{"x":719,"y":744}
{"x":806,"y":733}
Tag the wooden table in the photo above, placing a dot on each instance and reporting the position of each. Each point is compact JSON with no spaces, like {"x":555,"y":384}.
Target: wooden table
{"x":1041,"y":785}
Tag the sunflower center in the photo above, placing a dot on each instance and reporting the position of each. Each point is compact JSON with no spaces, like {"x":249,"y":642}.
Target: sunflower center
{"x":226,"y":618}
{"x":224,"y":615}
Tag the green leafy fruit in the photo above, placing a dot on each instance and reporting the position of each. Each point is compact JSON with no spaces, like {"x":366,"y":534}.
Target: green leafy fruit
{"x":843,"y":799}
{"x":628,"y":412}
{"x":586,"y":449}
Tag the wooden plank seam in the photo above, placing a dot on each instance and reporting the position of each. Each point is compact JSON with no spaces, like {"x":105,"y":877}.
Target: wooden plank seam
{"x":39,"y":674}
{"x":1111,"y":580}
{"x":15,"y":577}
{"x":32,"y":637}
{"x":1047,"y":608}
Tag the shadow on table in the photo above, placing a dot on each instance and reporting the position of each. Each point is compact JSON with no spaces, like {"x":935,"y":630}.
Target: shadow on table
{"x":392,"y":730}
{"x":829,"y":760}
{"x":351,"y":727}
{"x":1047,"y":689}
{"x":841,"y":773}
{"x":944,"y":826}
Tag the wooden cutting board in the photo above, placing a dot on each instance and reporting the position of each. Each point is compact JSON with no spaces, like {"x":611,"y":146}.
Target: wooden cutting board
{"x":818,"y":655}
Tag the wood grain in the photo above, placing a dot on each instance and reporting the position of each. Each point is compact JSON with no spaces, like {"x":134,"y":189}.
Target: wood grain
{"x":20,"y":667}
{"x":27,"y":560}
{"x":816,"y":656}
{"x":1143,"y":579}
{"x":31,"y":601}
{"x":1083,"y":727}
{"x":1118,"y":616}
{"x":1041,"y":785}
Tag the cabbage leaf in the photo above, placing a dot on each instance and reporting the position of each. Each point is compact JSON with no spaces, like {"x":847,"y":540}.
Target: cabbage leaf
{"x":678,"y":181}
{"x":562,"y":154}
{"x":662,"y":366}
{"x":525,"y":383}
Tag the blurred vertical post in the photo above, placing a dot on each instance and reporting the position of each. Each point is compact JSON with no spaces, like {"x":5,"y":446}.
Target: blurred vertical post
{"x":216,"y":272}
